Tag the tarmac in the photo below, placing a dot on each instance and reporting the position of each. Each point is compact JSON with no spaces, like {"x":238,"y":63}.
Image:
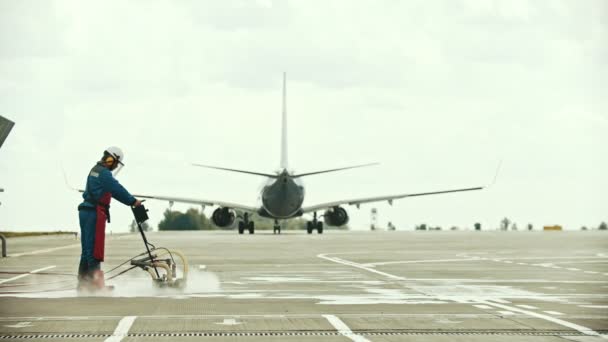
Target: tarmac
{"x":339,"y":286}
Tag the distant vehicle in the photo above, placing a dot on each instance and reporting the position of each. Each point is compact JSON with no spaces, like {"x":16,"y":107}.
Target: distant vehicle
{"x":555,"y":227}
{"x":282,"y":196}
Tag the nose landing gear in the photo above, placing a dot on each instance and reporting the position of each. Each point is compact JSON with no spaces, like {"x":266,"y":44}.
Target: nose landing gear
{"x":246,"y":224}
{"x":314,"y":224}
{"x":277,"y":227}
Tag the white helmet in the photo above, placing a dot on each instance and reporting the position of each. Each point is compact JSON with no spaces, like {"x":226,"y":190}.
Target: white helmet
{"x":118,"y":156}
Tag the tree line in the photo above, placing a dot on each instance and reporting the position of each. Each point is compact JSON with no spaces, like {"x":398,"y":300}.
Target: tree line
{"x":504,"y":224}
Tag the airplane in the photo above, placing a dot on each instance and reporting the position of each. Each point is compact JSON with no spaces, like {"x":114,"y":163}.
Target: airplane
{"x":282,"y":196}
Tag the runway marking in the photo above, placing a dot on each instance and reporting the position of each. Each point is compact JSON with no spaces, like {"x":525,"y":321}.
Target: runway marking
{"x":47,"y":250}
{"x":229,"y":321}
{"x":594,"y":306}
{"x":483,"y":307}
{"x":546,"y":264}
{"x":122,"y":330}
{"x":551,"y":257}
{"x":553,"y":313}
{"x":26,"y":274}
{"x":374,"y":264}
{"x":344,"y":330}
{"x":506,"y":313}
{"x":580,"y":328}
{"x":498,"y":300}
{"x":529,"y":307}
{"x":20,"y":325}
{"x":354,"y":264}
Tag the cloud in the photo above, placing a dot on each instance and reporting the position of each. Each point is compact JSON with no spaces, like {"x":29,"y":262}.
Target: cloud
{"x":435,"y":90}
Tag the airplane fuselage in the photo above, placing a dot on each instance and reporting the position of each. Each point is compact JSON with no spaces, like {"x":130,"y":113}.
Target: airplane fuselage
{"x":282,"y":197}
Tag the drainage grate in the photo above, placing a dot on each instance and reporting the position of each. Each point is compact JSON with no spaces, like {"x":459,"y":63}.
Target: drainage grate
{"x":311,"y":333}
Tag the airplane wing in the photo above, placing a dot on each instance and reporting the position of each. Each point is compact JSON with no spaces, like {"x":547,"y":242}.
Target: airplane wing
{"x":199,"y":201}
{"x":390,"y":199}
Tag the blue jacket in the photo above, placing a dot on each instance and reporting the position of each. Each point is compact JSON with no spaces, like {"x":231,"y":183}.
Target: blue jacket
{"x":100,"y":181}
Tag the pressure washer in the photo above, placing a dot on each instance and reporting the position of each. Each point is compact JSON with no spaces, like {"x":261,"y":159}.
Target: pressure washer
{"x":162,"y":270}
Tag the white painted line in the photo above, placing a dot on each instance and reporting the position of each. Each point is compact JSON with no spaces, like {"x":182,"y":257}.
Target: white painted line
{"x":555,"y":257}
{"x":506,"y":313}
{"x":344,"y":330}
{"x":26,"y":274}
{"x":555,"y":320}
{"x":498,"y":300}
{"x":20,"y":325}
{"x":122,"y":329}
{"x":591,"y":272}
{"x":418,"y":261}
{"x":40,"y":251}
{"x":529,"y":307}
{"x":573,"y":269}
{"x":229,"y":321}
{"x":354,"y":264}
{"x":554,"y":313}
{"x":202,"y":267}
{"x":508,"y":262}
{"x":483,"y":307}
{"x":594,"y":306}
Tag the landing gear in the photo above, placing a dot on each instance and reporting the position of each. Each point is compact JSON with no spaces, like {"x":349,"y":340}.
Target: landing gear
{"x":314,"y":224}
{"x":246,"y":225}
{"x":277,"y":227}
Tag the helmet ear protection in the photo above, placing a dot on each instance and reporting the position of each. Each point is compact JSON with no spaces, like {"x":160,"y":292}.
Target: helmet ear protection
{"x":108,"y":159}
{"x":112,"y":159}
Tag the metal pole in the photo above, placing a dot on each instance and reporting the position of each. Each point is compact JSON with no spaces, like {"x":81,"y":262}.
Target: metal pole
{"x":143,"y":235}
{"x":3,"y":245}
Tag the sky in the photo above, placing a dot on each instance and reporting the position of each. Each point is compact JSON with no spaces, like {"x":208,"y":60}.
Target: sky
{"x":437,"y":92}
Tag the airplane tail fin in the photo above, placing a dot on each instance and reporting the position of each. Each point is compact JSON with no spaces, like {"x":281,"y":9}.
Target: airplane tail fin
{"x":284,"y":159}
{"x":332,"y":170}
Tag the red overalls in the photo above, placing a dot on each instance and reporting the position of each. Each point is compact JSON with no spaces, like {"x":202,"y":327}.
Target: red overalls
{"x":103,"y":216}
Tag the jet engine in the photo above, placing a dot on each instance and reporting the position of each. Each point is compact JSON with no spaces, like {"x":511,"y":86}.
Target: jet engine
{"x":336,"y":216}
{"x":223,"y":217}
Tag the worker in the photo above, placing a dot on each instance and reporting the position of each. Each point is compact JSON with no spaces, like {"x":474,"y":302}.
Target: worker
{"x":94,"y":211}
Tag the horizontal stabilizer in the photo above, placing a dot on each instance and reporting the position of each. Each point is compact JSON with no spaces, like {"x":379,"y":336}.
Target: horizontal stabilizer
{"x":333,"y":170}
{"x":235,"y":170}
